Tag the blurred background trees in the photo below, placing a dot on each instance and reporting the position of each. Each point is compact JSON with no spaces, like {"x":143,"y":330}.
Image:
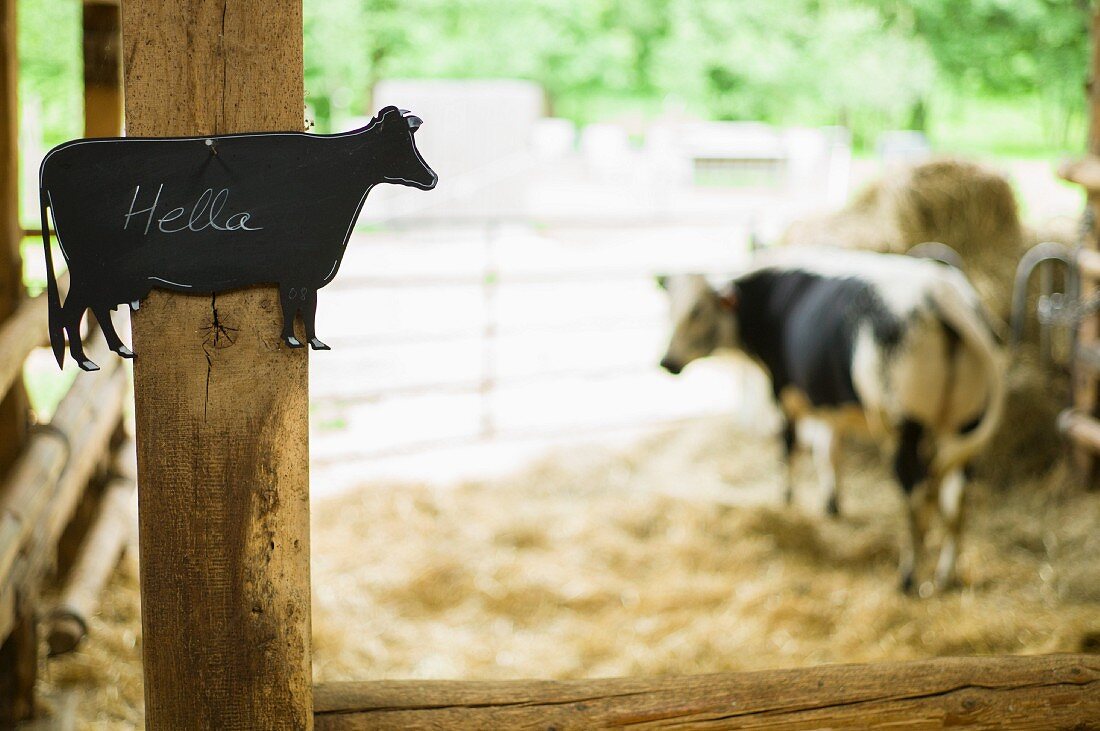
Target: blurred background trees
{"x":984,"y":75}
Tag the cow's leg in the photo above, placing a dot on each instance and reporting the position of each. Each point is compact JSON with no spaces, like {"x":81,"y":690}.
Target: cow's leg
{"x":789,"y":435}
{"x":951,"y":510}
{"x":832,"y":500}
{"x":290,"y":299}
{"x":309,"y":317}
{"x":825,"y":443}
{"x":114,"y":342}
{"x":72,"y":312}
{"x":918,"y":509}
{"x":911,"y":469}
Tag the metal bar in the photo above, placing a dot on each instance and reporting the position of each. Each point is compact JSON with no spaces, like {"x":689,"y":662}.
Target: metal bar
{"x":1036,"y":255}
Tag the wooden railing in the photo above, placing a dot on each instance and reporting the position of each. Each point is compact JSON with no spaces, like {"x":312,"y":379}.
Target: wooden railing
{"x":1081,"y":424}
{"x":1042,"y":692}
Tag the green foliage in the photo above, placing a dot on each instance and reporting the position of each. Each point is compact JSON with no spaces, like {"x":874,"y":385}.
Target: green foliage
{"x":1030,"y":51}
{"x":50,"y":66}
{"x":867,"y":64}
{"x":794,"y":61}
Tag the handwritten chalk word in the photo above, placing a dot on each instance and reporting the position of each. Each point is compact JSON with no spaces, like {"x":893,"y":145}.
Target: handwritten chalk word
{"x":205,"y":213}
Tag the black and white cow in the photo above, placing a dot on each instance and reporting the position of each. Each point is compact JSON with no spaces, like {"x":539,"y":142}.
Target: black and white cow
{"x":206,"y":214}
{"x":855,"y":341}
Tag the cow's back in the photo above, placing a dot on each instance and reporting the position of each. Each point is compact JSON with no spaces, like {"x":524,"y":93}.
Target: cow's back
{"x":803,"y":327}
{"x":864,"y":329}
{"x":294,"y":196}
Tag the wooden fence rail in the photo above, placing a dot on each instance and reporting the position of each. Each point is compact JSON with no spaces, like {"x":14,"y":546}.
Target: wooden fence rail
{"x":113,"y":528}
{"x":21,"y":333}
{"x":1039,"y":692}
{"x":43,"y":487}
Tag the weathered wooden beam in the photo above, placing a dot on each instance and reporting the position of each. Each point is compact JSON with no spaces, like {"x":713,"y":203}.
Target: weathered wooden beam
{"x":1083,"y":429}
{"x":1086,"y":393}
{"x":86,"y":451}
{"x":12,"y":291}
{"x":18,"y":663}
{"x":106,"y":539}
{"x":1088,"y":358}
{"x":21,"y":333}
{"x":13,"y":402}
{"x":35,"y":501}
{"x":18,"y":657}
{"x":43,"y":487}
{"x":221,"y":405}
{"x":1088,"y":263}
{"x":102,"y":69}
{"x":13,"y":398}
{"x":102,"y":55}
{"x":1037,"y":692}
{"x":1084,"y":171}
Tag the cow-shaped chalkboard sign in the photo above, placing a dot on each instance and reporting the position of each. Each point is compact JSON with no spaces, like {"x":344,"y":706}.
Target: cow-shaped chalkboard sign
{"x":208,"y":214}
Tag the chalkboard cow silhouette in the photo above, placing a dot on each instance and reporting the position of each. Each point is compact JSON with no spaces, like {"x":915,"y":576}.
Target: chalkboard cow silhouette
{"x":208,"y":214}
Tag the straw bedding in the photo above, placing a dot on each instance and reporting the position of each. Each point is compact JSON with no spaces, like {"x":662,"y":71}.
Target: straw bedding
{"x":671,"y":557}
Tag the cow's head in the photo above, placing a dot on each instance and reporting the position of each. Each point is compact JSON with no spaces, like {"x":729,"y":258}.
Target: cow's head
{"x":702,"y":319}
{"x":401,"y":162}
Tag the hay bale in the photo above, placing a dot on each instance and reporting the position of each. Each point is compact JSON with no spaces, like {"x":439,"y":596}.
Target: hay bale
{"x":959,"y":203}
{"x":1028,"y":443}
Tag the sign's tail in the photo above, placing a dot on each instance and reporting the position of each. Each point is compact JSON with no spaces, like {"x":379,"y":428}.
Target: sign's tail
{"x":57,"y":332}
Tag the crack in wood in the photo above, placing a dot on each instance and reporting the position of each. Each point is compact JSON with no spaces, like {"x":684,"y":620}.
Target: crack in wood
{"x":215,"y":332}
{"x":771,"y":712}
{"x":472,"y":706}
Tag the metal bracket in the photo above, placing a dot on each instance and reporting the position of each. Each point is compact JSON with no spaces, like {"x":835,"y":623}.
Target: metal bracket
{"x":1054,"y":309}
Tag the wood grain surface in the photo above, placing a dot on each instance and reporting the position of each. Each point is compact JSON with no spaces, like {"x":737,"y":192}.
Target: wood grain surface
{"x":18,"y":650}
{"x":106,"y":538}
{"x":1043,"y":692}
{"x":221,"y":404}
{"x":1086,"y":394}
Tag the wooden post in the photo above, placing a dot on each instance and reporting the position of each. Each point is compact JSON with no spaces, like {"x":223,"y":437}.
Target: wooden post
{"x":102,"y":69}
{"x":13,"y":404}
{"x":1085,"y":386}
{"x":106,"y":538}
{"x":19,"y":650}
{"x":221,"y":405}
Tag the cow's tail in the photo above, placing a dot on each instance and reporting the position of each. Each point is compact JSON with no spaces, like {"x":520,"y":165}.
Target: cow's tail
{"x":57,"y":332}
{"x":954,"y":451}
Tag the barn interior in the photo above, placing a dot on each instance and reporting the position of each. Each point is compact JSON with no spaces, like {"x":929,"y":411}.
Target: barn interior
{"x":505,"y":484}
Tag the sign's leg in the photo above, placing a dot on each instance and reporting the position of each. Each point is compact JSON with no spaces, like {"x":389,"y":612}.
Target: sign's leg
{"x":221,"y":403}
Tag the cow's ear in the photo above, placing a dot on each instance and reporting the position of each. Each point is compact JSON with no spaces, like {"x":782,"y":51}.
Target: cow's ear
{"x":729,"y":298}
{"x":388,"y":114}
{"x":662,"y":281}
{"x":413,"y":121}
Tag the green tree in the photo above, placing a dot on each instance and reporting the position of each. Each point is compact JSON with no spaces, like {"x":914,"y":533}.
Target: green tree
{"x":1018,"y":50}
